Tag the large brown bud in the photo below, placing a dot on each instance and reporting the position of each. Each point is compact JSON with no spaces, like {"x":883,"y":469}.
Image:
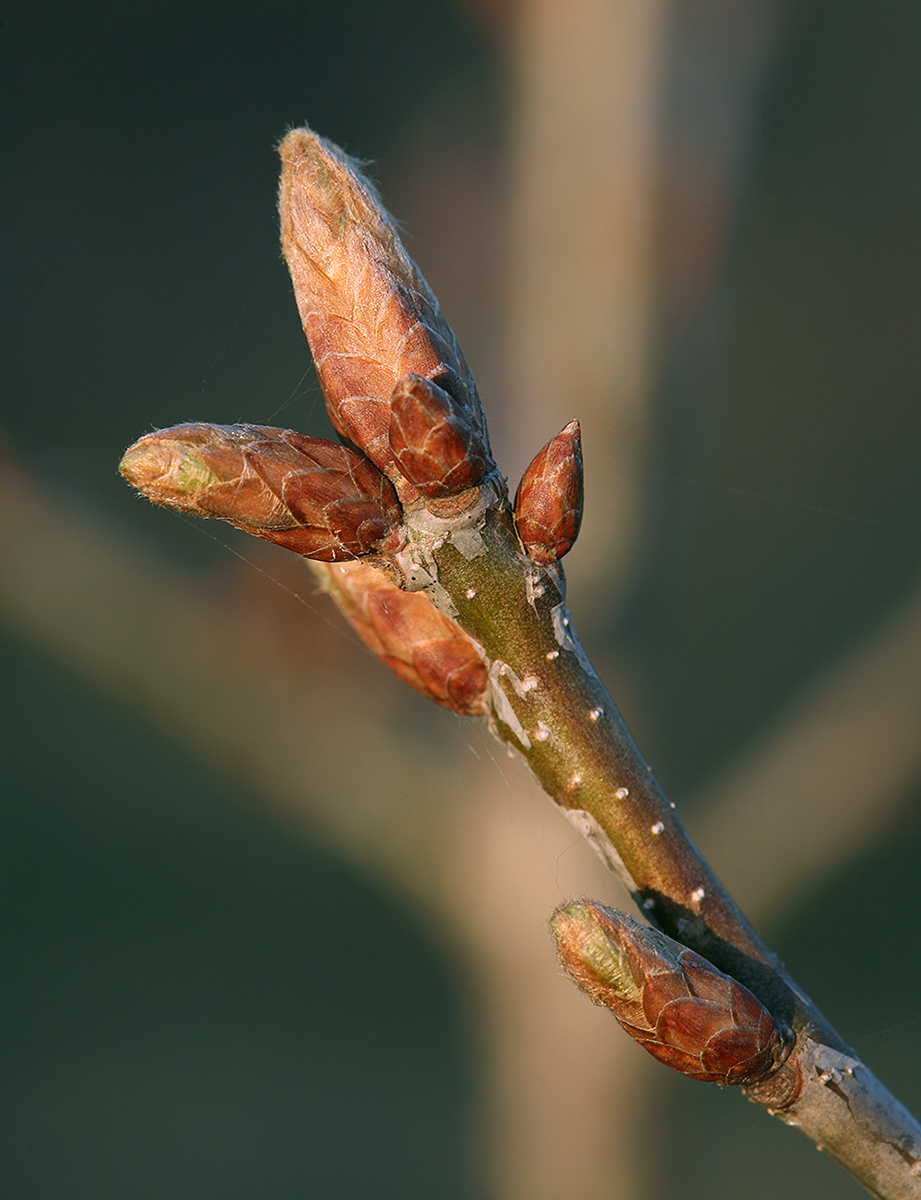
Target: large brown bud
{"x":548,"y":503}
{"x":677,"y":1005}
{"x":317,"y":498}
{"x":369,"y":316}
{"x":412,"y":637}
{"x":435,"y":445}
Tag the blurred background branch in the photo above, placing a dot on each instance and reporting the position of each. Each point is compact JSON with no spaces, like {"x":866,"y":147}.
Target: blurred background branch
{"x":712,"y":270}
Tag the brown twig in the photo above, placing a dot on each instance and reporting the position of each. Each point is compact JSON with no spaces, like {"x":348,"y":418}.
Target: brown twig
{"x":378,"y":337}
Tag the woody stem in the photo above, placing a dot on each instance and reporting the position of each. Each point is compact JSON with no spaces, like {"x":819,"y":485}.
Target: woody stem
{"x":548,"y":705}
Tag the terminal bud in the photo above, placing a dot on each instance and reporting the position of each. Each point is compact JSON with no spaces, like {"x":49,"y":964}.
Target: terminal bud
{"x":368,"y":314}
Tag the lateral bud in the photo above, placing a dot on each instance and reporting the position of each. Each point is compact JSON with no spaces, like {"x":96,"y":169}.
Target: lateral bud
{"x":548,"y":503}
{"x":676,"y":1004}
{"x":412,"y":637}
{"x":311,"y":496}
{"x":435,"y":445}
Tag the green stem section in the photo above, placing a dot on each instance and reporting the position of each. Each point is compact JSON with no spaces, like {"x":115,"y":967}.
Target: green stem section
{"x":549,"y":706}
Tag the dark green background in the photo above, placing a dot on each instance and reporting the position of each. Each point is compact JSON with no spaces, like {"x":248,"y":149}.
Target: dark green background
{"x":186,"y":1007}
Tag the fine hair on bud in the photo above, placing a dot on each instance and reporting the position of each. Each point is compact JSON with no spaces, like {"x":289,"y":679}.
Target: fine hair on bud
{"x":677,"y":1005}
{"x":434,"y":443}
{"x":548,"y":503}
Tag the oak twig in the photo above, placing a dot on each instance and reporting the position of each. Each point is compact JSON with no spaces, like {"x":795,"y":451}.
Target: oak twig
{"x":465,"y":599}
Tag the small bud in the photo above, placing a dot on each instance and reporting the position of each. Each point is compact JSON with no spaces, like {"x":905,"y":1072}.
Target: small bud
{"x":677,"y":1005}
{"x":434,"y":444}
{"x":368,"y":314}
{"x":412,"y":637}
{"x":548,"y":504}
{"x":317,"y":498}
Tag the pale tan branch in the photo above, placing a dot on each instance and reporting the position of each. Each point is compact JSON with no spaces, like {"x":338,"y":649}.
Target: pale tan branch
{"x":580,"y":286}
{"x":830,"y":777}
{"x":467,"y":836}
{"x":220,"y":680}
{"x":203,"y":669}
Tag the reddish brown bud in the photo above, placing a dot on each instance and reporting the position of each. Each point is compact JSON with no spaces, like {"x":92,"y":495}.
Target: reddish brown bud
{"x":435,"y":446}
{"x":548,"y":504}
{"x":368,"y":314}
{"x":317,"y":498}
{"x":677,"y":1005}
{"x":415,"y":640}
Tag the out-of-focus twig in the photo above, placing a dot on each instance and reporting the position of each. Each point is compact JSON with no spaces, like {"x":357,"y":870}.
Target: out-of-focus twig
{"x":221,"y":679}
{"x":206,"y":671}
{"x":580,"y":287}
{"x":835,"y":769}
{"x":629,"y":133}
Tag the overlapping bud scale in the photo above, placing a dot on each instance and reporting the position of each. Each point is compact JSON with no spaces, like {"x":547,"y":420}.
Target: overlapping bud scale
{"x":436,"y":448}
{"x":314,"y":497}
{"x":676,"y":1004}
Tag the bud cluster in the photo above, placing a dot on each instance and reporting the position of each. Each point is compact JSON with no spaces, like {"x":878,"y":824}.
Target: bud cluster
{"x":676,"y":1004}
{"x":400,"y":395}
